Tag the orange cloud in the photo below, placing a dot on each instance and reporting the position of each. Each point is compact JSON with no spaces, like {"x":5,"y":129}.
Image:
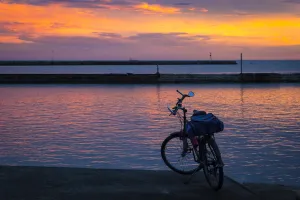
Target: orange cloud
{"x":203,"y":10}
{"x":55,"y":20}
{"x":11,"y":39}
{"x":156,"y":8}
{"x":58,"y":20}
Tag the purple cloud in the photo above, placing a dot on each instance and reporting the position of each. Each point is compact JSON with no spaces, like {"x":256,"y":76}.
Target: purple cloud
{"x":105,"y":38}
{"x":140,"y":46}
{"x":56,"y":25}
{"x":109,"y":35}
{"x":214,"y":7}
{"x":4,"y":30}
{"x":229,"y":6}
{"x":169,"y":39}
{"x":9,"y":27}
{"x":182,"y":4}
{"x":75,"y":41}
{"x":76,"y":3}
{"x":292,"y":1}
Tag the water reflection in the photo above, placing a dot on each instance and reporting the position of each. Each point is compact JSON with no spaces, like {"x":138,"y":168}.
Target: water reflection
{"x":122,"y":126}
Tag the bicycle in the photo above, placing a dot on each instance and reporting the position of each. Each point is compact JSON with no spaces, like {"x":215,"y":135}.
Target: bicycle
{"x":201,"y":149}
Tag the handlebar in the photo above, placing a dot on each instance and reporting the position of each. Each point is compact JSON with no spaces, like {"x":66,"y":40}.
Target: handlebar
{"x":179,"y":103}
{"x":179,"y":92}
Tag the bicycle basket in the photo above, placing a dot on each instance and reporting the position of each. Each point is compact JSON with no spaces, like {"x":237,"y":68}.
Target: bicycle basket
{"x":206,"y":124}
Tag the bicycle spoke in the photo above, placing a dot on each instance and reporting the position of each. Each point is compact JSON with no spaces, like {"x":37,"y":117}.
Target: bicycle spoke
{"x":178,"y":158}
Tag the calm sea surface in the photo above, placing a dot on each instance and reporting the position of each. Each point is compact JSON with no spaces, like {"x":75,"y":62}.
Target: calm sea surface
{"x":257,"y":66}
{"x":123,"y":126}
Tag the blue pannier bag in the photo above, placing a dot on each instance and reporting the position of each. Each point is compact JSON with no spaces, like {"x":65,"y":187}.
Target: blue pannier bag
{"x":204,"y":124}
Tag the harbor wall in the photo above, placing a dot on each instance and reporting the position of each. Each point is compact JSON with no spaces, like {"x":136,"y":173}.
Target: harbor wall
{"x":147,"y":78}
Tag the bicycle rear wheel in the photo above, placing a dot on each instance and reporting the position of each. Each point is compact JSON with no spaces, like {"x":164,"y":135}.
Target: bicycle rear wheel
{"x":175,"y":158}
{"x":213,"y":164}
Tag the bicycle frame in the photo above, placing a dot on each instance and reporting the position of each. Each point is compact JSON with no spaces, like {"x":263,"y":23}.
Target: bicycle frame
{"x":202,"y":140}
{"x":184,"y":137}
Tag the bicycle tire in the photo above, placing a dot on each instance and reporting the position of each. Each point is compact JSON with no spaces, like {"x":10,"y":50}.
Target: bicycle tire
{"x":172,"y":136}
{"x":215,"y":150}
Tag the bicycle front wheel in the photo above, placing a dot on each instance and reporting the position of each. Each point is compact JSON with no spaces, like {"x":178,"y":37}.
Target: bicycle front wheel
{"x":174,"y":156}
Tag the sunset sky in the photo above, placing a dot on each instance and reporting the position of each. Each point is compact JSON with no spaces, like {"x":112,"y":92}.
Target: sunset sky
{"x":149,"y":29}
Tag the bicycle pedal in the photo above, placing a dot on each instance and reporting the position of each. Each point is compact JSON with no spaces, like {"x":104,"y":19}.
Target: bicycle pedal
{"x":219,"y":165}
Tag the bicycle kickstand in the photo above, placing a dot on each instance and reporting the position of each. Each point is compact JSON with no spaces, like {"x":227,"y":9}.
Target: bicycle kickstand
{"x":189,"y":180}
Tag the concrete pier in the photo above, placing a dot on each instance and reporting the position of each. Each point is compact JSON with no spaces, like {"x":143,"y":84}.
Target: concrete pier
{"x":28,"y":183}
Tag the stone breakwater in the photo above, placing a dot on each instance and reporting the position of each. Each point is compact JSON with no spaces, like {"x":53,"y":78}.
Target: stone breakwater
{"x":116,"y":62}
{"x":147,"y":78}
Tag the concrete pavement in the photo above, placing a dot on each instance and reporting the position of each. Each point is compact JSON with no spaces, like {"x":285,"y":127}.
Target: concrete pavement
{"x":46,"y":183}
